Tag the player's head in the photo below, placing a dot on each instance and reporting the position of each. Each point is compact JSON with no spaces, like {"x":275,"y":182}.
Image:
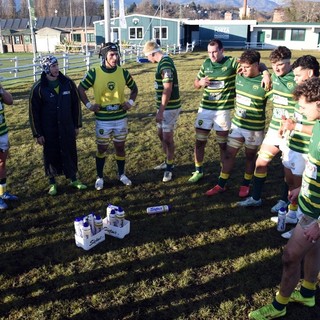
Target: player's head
{"x":308,"y":96}
{"x":249,"y":61}
{"x":250,"y":56}
{"x":110,"y":55}
{"x":49,"y":65}
{"x":304,"y":68}
{"x":215,"y":50}
{"x":150,"y":49}
{"x":280,"y":60}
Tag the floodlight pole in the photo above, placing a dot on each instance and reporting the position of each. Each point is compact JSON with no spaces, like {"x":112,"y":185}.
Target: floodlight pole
{"x":106,"y":21}
{"x":1,"y":43}
{"x":33,"y":38}
{"x":85,"y":26}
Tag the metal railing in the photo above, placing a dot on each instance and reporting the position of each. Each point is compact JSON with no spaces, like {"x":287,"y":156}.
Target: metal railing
{"x":16,"y":68}
{"x":19,"y":68}
{"x":135,"y":52}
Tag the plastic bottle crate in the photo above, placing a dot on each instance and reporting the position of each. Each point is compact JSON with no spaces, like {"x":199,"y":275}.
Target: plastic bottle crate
{"x":91,"y":242}
{"x":116,"y":231}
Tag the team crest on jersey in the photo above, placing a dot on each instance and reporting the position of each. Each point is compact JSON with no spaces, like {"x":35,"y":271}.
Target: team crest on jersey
{"x":111,"y":85}
{"x":290,"y":85}
{"x":200,"y":122}
{"x":224,"y":69}
{"x":101,"y":131}
{"x":255,"y":87}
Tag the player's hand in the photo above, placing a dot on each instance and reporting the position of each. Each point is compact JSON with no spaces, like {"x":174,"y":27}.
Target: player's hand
{"x":41,"y":140}
{"x":95,"y":107}
{"x":159,"y":117}
{"x":126,"y":106}
{"x":293,"y":194}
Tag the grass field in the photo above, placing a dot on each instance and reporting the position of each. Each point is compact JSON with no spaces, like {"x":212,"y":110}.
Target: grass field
{"x":205,"y":259}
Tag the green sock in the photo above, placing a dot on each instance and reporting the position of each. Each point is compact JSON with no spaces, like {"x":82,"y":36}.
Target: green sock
{"x":99,"y":166}
{"x":308,"y":289}
{"x":223,"y":178}
{"x":199,"y":167}
{"x":258,"y":183}
{"x":247,"y":179}
{"x":121,"y":164}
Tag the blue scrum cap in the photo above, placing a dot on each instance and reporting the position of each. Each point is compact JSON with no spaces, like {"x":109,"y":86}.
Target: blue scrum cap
{"x":47,"y":62}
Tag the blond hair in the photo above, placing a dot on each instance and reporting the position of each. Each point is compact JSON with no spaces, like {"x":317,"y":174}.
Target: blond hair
{"x":151,"y":47}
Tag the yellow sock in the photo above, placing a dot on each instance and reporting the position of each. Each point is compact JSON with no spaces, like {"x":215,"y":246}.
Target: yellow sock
{"x":309,"y":285}
{"x":293,"y":206}
{"x":248,"y":176}
{"x":224,"y":176}
{"x":281,"y":299}
{"x":3,"y":189}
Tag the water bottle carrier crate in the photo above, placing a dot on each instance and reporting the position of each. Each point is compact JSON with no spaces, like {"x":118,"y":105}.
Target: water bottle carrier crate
{"x":117,"y":232}
{"x":91,"y":242}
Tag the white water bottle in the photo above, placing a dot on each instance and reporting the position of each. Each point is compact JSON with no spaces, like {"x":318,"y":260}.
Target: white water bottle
{"x":120,"y":217}
{"x":98,"y":224}
{"x":281,"y":225}
{"x":86,"y":230}
{"x":158,"y":209}
{"x":77,"y":226}
{"x":112,"y":218}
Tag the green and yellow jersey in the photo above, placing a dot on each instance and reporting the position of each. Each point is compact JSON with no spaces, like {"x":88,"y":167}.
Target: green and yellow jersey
{"x":220,"y":94}
{"x":108,"y":87}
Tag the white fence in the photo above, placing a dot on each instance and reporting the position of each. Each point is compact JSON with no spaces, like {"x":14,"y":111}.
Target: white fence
{"x":134,"y":52}
{"x":26,"y":68}
{"x":22,"y":68}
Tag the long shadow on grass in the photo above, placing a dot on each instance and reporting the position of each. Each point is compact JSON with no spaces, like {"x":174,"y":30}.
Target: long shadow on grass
{"x":138,"y":270}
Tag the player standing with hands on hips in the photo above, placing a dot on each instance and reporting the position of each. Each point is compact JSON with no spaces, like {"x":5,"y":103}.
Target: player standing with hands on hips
{"x":108,"y":82}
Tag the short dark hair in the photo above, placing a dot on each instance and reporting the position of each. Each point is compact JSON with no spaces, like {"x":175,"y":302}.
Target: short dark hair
{"x":310,"y":89}
{"x":307,"y":62}
{"x":215,"y":42}
{"x":250,"y":56}
{"x":279,"y":54}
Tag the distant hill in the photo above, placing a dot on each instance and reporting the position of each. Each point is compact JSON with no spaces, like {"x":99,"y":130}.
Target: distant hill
{"x":260,"y":5}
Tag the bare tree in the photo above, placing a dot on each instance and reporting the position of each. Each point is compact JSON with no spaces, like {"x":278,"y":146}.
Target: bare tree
{"x":146,"y":7}
{"x":8,"y":8}
{"x":301,"y":11}
{"x":24,"y":11}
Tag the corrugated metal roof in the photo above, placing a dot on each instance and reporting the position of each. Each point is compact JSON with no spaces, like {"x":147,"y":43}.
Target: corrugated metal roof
{"x":50,"y":22}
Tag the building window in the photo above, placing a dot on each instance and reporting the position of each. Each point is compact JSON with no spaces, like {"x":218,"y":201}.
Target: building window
{"x":278,"y":34}
{"x":17,"y":40}
{"x":90,"y":37}
{"x":164,"y":33}
{"x":135,"y":33}
{"x":27,"y":39}
{"x":76,"y":37}
{"x":7,"y":39}
{"x":298,"y":34}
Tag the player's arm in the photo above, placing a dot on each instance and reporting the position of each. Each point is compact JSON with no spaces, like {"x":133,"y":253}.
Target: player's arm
{"x":201,"y":83}
{"x":291,"y":125}
{"x":6,"y":96}
{"x":84,"y":98}
{"x":167,"y":81}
